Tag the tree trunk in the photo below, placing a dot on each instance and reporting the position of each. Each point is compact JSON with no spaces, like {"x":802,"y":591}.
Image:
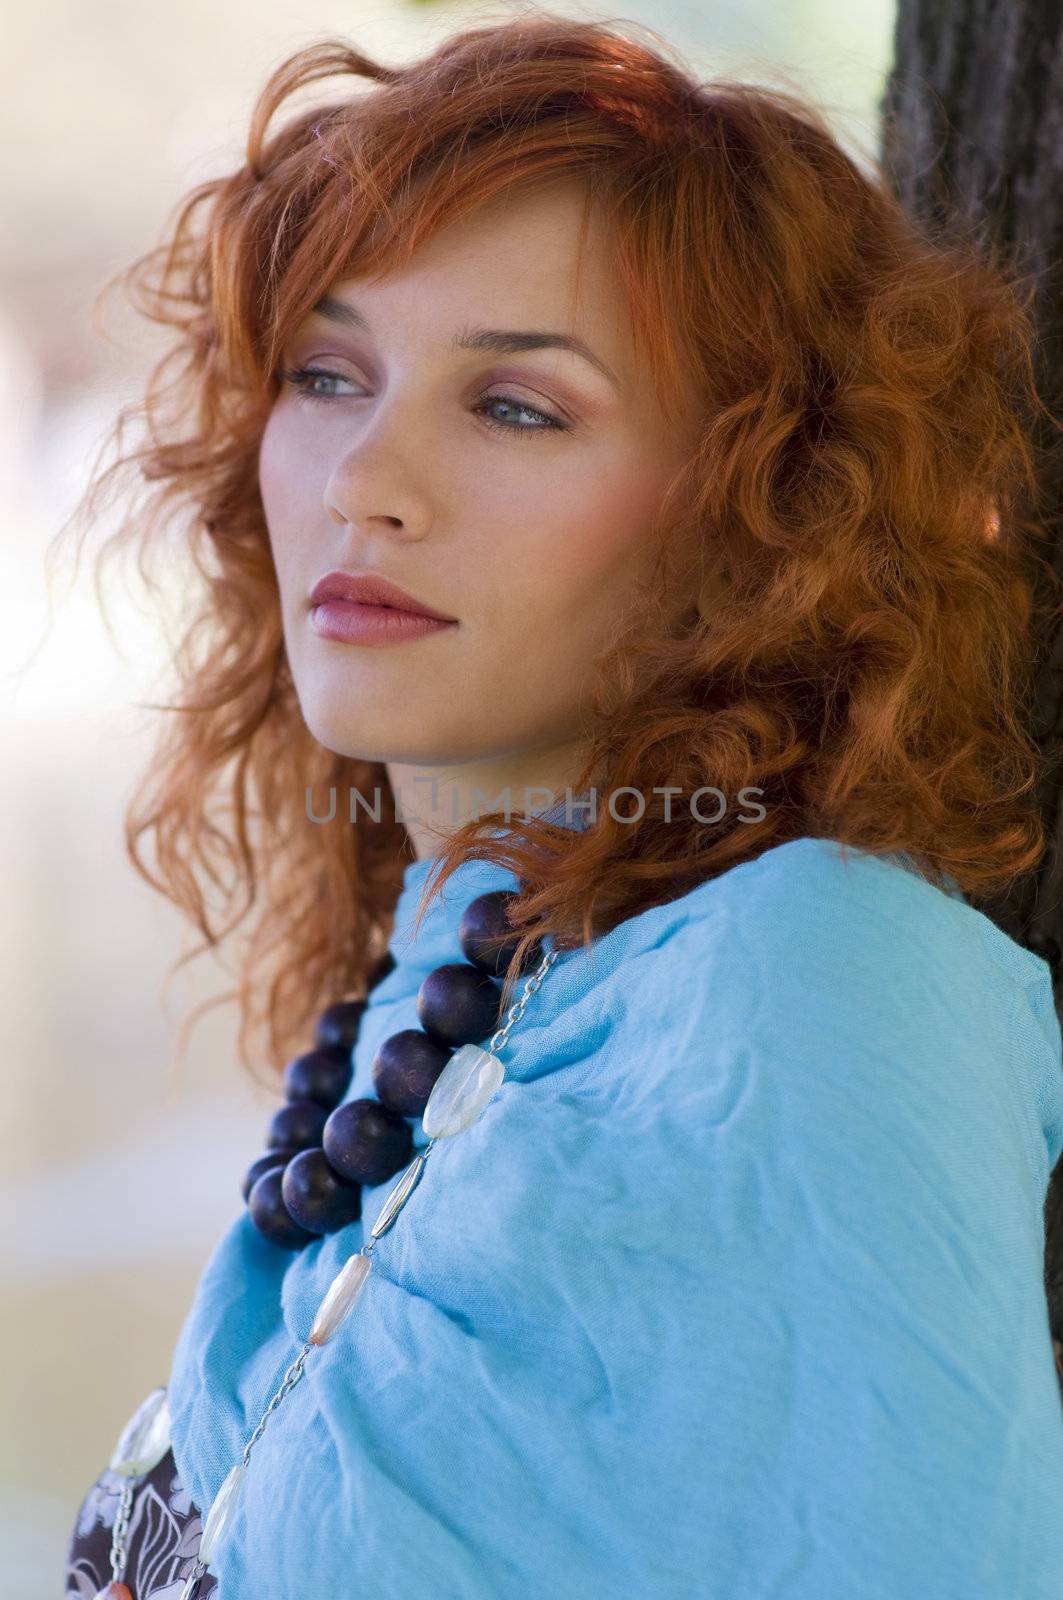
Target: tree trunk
{"x":973,"y":132}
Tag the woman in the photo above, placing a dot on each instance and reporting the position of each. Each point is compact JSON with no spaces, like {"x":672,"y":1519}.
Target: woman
{"x":698,"y":473}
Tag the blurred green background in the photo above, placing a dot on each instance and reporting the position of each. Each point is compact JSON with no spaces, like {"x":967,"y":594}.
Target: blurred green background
{"x":118,"y":1172}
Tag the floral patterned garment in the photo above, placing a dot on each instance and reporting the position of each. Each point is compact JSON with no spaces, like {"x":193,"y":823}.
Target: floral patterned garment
{"x":161,"y":1545}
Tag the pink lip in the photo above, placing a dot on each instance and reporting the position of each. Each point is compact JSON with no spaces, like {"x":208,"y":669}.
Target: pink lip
{"x":352,"y":623}
{"x":369,"y":589}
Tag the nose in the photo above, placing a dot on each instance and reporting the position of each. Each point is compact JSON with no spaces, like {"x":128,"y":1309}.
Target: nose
{"x":339,"y":517}
{"x":376,"y":484}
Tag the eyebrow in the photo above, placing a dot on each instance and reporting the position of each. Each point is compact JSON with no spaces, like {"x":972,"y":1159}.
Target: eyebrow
{"x":501,"y":341}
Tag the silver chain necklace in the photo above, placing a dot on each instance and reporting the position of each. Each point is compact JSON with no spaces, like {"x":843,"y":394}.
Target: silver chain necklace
{"x":469,"y":1080}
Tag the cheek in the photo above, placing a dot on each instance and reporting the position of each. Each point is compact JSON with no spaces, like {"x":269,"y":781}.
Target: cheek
{"x":587,"y":545}
{"x":289,"y":473}
{"x":272,"y":471}
{"x":285,"y":486}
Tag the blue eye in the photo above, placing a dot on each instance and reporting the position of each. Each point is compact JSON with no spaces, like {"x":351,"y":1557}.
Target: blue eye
{"x":545,"y":422}
{"x":305,"y":378}
{"x":302,"y":378}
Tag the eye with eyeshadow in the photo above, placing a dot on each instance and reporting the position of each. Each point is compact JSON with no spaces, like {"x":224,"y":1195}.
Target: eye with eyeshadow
{"x":303,"y":380}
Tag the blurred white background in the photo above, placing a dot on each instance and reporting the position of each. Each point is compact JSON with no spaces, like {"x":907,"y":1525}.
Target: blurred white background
{"x":118,"y":1172}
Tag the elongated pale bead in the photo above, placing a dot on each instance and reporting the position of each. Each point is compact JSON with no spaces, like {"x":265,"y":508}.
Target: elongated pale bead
{"x":398,"y":1197}
{"x":145,"y":1438}
{"x":222,"y":1512}
{"x":461,"y":1091}
{"x":342,"y":1293}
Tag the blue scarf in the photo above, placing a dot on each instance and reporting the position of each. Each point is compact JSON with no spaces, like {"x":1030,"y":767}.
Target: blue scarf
{"x":733,"y":1290}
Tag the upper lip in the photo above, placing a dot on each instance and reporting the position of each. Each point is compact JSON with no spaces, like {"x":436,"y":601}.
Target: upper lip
{"x":368,"y":589}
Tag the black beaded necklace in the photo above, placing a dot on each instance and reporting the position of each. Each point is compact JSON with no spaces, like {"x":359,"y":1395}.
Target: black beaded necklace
{"x":322,"y":1150}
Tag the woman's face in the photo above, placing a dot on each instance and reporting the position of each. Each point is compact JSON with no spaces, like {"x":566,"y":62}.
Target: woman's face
{"x":510,"y":489}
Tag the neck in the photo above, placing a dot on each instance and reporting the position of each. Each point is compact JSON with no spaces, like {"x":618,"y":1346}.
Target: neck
{"x":433,"y":801}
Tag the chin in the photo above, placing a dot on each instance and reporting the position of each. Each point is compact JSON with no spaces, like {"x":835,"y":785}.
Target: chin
{"x":375,"y":738}
{"x":356,"y":740}
{"x":381,"y":725}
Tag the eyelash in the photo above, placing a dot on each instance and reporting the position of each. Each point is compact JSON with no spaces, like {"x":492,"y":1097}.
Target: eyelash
{"x":300,"y":378}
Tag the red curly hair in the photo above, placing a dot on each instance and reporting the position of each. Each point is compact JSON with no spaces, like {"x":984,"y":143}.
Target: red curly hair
{"x":862,"y":477}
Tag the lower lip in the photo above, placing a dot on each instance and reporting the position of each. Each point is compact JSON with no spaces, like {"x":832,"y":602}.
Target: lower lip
{"x":352,"y":623}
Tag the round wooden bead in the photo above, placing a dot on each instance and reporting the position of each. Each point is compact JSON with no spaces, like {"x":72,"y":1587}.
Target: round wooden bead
{"x":484,"y":918}
{"x":458,"y":1004}
{"x":405,"y":1070}
{"x":323,"y":1076}
{"x":271,"y":1216}
{"x":317,"y":1197}
{"x":367,"y":1142}
{"x":380,"y":969}
{"x":266,"y":1163}
{"x":337,"y":1026}
{"x":297,"y":1125}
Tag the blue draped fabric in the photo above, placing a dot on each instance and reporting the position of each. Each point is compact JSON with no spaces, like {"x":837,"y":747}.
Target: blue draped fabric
{"x":733,"y":1292}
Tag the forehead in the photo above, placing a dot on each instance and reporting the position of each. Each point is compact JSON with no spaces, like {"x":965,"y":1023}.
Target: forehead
{"x":529,"y":257}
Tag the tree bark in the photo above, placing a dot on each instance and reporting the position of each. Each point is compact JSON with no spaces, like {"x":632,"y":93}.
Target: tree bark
{"x":972,"y":120}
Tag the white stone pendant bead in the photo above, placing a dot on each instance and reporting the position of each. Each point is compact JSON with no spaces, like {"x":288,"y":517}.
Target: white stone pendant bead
{"x":342,"y":1293}
{"x":221,"y":1512}
{"x":398,"y":1197}
{"x":461,"y":1091}
{"x":145,"y":1438}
